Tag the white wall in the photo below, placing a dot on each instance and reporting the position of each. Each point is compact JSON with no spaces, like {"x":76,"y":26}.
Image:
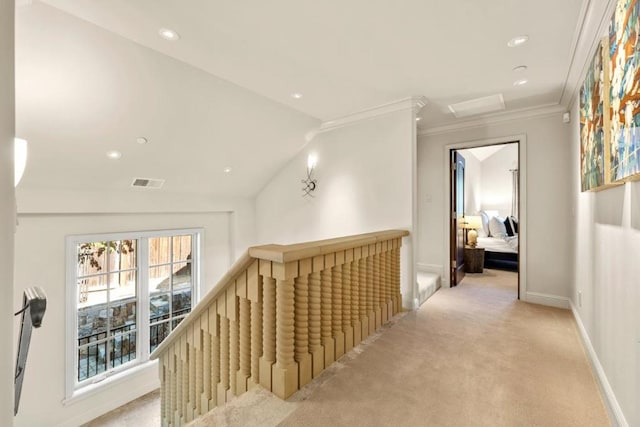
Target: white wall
{"x":605,"y":289}
{"x":364,"y":174}
{"x":46,"y":218}
{"x":7,"y":212}
{"x":548,"y":197}
{"x":40,"y":260}
{"x":472,"y":183}
{"x":497,"y":180}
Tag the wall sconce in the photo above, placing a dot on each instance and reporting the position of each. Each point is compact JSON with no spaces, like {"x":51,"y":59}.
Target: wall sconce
{"x":19,"y":159}
{"x":310,"y":182}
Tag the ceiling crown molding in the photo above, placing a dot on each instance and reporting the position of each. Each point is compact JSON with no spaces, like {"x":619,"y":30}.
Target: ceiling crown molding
{"x":522,"y":114}
{"x":414,"y":103}
{"x":593,"y":25}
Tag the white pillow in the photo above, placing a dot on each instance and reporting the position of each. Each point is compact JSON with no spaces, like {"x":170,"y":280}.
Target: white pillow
{"x":484,"y":231}
{"x":497,"y":227}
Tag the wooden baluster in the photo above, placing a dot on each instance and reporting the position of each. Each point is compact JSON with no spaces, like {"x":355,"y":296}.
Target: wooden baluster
{"x":355,"y":300}
{"x":164,"y":387}
{"x":244,"y":370}
{"x":384,"y":310}
{"x":268,"y":325}
{"x":336,"y":309}
{"x":364,"y":313}
{"x":223,"y":386}
{"x":214,"y":330}
{"x":327,"y":340}
{"x":371,"y":314}
{"x":302,"y":355}
{"x":376,"y":285}
{"x":205,"y":395}
{"x":254,"y":293}
{"x":179,"y":381}
{"x":244,"y":340}
{"x":388,"y":279}
{"x":191,"y":373}
{"x":315,"y":317}
{"x":347,"y":304}
{"x":184,"y":362}
{"x":396,"y":274}
{"x":234,"y":340}
{"x":191,"y":380}
{"x":285,"y":371}
{"x":173,"y":415}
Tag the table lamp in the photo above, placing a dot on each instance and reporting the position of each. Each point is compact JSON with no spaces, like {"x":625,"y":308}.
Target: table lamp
{"x":471,"y":223}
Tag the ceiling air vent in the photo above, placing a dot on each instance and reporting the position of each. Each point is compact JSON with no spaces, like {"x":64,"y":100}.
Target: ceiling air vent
{"x":147,"y":183}
{"x":487,"y":104}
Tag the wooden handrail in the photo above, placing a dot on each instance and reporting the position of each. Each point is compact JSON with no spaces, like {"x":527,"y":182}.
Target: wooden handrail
{"x":278,"y":317}
{"x":297,"y":251}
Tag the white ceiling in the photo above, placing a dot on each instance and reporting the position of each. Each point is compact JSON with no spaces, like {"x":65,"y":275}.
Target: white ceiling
{"x":221,"y":95}
{"x":347,"y":56}
{"x":482,"y":153}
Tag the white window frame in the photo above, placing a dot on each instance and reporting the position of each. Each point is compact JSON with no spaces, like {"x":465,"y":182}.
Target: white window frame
{"x":75,"y":389}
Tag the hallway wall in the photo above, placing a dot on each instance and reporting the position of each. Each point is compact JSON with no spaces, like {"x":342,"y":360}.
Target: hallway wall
{"x":364,"y":172}
{"x":45,"y":220}
{"x":548,"y":198}
{"x":605,"y":290}
{"x":7,"y":211}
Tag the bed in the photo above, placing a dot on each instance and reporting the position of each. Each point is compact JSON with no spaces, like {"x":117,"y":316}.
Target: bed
{"x":499,"y":238}
{"x":500,"y":253}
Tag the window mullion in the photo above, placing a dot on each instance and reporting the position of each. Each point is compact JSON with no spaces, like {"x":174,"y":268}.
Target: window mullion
{"x":143,"y":299}
{"x":109,"y":317}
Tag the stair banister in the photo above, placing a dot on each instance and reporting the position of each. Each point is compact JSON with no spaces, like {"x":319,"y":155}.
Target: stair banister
{"x":277,"y":318}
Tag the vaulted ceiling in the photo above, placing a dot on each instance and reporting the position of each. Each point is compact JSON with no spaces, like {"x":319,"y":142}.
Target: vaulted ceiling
{"x":96,"y":74}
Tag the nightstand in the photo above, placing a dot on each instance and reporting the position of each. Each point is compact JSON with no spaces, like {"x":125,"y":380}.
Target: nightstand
{"x":473,"y":259}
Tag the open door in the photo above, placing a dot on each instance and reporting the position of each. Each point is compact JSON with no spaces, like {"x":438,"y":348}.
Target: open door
{"x":457,"y":214}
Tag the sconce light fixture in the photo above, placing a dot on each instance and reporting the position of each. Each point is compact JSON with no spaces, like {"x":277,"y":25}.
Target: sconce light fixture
{"x":19,"y":159}
{"x":310,"y":182}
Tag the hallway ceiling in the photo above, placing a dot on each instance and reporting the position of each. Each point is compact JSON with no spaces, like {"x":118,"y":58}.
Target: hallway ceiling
{"x":347,"y":56}
{"x":93,"y":76}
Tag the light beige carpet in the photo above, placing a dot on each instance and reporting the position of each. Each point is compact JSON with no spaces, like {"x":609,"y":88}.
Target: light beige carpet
{"x":470,"y":356}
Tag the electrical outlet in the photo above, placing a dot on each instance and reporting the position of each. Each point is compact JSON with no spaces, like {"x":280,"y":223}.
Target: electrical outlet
{"x":580,"y":299}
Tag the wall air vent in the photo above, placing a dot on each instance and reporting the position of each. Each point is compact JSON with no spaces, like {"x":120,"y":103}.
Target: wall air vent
{"x":487,"y":104}
{"x":147,"y":183}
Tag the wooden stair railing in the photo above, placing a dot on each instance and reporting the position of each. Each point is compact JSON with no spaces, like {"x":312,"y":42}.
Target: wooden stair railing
{"x":280,"y":315}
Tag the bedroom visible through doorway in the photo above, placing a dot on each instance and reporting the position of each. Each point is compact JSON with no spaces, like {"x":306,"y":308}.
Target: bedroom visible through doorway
{"x":485,"y":220}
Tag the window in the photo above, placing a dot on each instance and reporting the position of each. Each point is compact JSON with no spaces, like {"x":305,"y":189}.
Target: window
{"x":126,"y":293}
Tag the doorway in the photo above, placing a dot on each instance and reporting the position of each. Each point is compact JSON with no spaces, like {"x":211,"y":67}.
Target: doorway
{"x":499,"y":254}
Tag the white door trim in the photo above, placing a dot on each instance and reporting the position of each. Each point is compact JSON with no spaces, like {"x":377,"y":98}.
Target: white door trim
{"x":522,"y":211}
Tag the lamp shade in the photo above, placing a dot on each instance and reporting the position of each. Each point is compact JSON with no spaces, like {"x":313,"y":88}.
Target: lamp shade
{"x":20,"y":159}
{"x":472,"y":222}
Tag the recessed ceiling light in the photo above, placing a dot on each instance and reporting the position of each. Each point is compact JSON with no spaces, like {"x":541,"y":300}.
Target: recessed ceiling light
{"x":296,"y":95}
{"x":520,"y":82}
{"x":520,"y":68}
{"x":518,"y":40}
{"x":227,"y":169}
{"x":418,"y":119}
{"x":142,"y":140}
{"x":114,"y":154}
{"x":168,"y":34}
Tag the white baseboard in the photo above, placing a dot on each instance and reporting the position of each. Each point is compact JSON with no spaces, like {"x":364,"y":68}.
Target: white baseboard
{"x":546,"y":299}
{"x":430,"y":268}
{"x":616,"y":415}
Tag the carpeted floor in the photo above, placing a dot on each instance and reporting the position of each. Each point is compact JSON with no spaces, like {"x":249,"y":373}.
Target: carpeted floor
{"x":470,"y":356}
